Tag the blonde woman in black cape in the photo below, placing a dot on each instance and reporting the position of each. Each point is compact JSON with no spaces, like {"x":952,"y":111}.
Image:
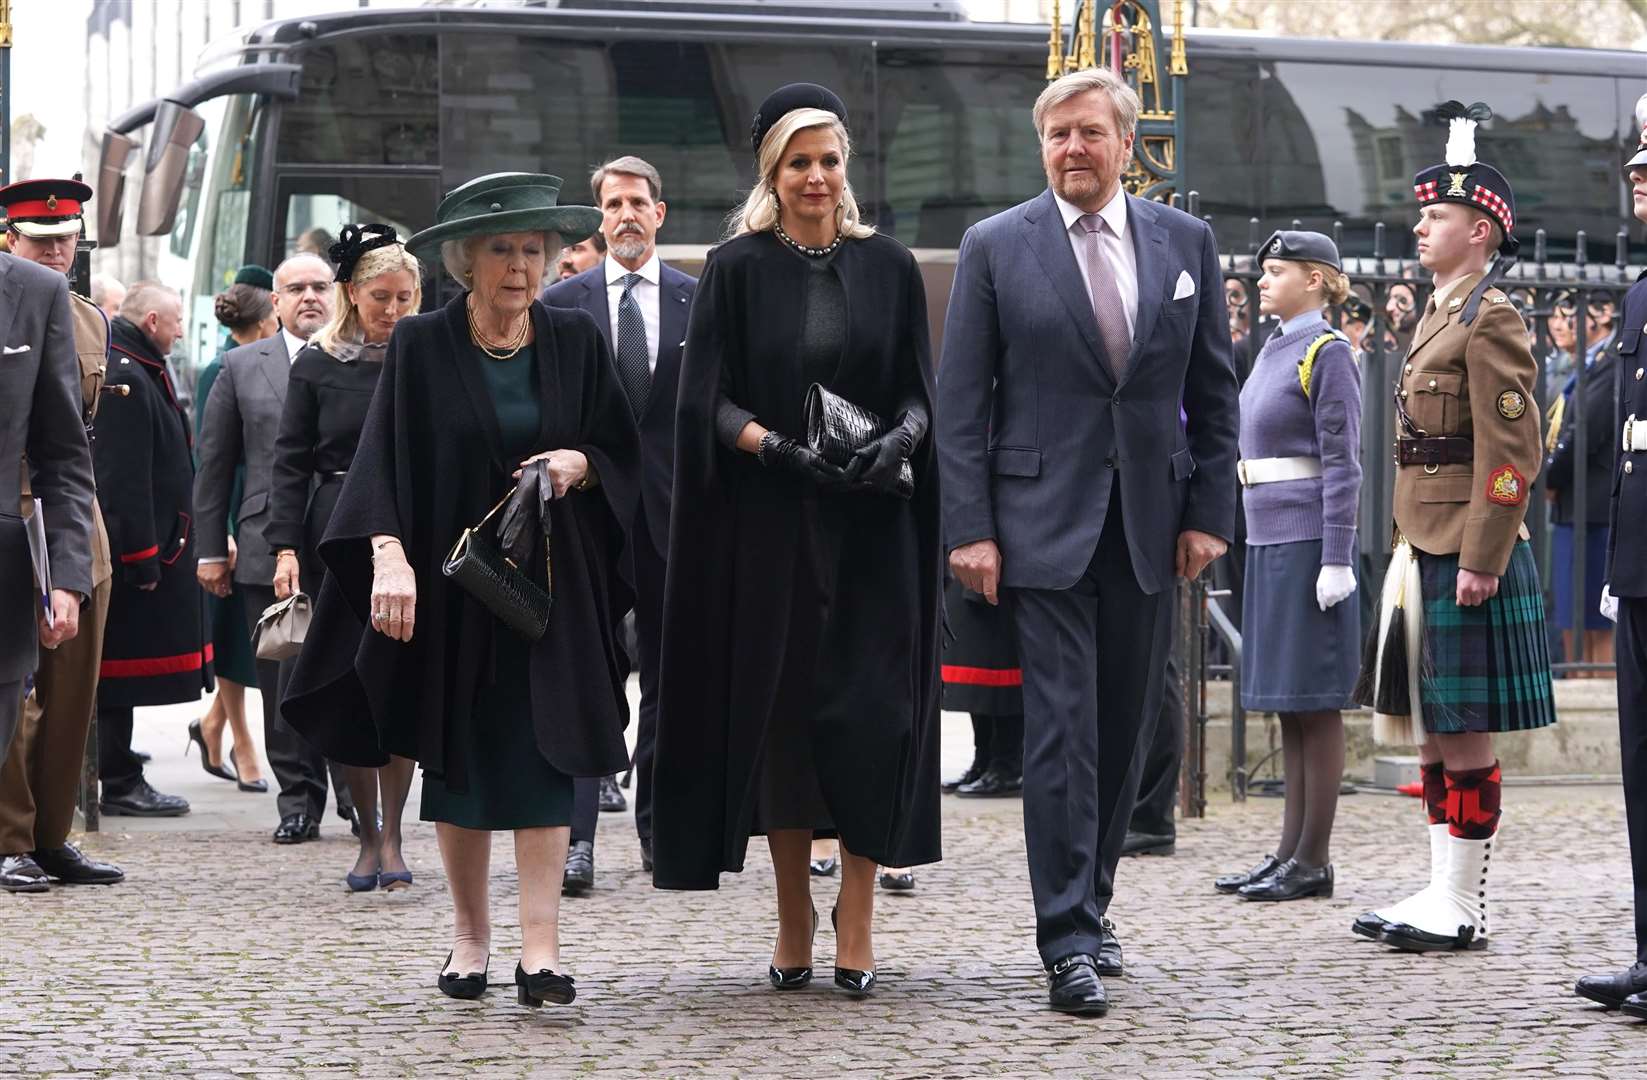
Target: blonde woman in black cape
{"x":501,"y":724}
{"x":799,"y":684}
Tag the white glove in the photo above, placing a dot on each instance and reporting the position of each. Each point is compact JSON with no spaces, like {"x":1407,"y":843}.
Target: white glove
{"x":1609,"y":604}
{"x":1334,"y":585}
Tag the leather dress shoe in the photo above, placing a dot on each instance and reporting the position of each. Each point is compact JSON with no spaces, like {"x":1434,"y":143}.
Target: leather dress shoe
{"x":1232,"y":882}
{"x":1139,"y":843}
{"x":70,"y":866}
{"x":1635,"y":1005}
{"x":996,"y":783}
{"x":580,"y":868}
{"x":141,"y":800}
{"x":296,"y":828}
{"x":1612,"y":991}
{"x":646,"y":853}
{"x":973,"y":771}
{"x":20,"y":873}
{"x":1076,"y":988}
{"x":1109,"y":951}
{"x":1291,"y":881}
{"x":611,"y":796}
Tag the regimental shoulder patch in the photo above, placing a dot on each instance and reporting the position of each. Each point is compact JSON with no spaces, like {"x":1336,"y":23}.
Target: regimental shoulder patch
{"x":1511,"y":405}
{"x":1506,"y":486}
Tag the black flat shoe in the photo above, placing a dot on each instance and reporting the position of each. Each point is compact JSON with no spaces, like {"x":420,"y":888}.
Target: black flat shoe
{"x":71,"y":867}
{"x":21,"y":874}
{"x":793,"y":978}
{"x":611,"y":796}
{"x":996,"y":783}
{"x":1076,"y":988}
{"x":541,"y":986}
{"x":1109,"y":950}
{"x":902,"y":881}
{"x":196,"y":738}
{"x":1612,"y":991}
{"x":1232,"y":882}
{"x":141,"y":800}
{"x":296,"y":829}
{"x":579,"y":877}
{"x":1138,"y":843}
{"x":975,"y":770}
{"x":824,"y":867}
{"x":1291,"y":881}
{"x":464,"y":987}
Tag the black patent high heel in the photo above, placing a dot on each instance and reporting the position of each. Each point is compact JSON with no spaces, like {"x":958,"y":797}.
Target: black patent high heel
{"x":198,"y":738}
{"x":532,"y":990}
{"x":793,"y":978}
{"x":464,"y":987}
{"x":856,"y":983}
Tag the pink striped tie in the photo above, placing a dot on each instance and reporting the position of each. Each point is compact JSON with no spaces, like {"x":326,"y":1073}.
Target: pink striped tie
{"x":1106,"y":298}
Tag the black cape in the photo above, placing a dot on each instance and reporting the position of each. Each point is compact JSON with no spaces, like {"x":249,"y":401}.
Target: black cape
{"x":742,"y":610}
{"x":429,"y":465}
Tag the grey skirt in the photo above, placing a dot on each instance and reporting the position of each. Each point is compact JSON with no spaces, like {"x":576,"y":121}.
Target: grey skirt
{"x":1294,"y":656}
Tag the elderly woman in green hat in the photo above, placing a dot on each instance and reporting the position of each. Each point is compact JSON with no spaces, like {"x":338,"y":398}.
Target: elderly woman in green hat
{"x":399,"y":659}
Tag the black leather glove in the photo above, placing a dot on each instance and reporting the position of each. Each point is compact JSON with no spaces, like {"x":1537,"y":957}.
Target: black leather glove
{"x":881,"y":463}
{"x":783,"y":454}
{"x":526,"y":516}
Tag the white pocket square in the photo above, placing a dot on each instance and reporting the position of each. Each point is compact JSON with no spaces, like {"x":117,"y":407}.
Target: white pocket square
{"x":10,"y":351}
{"x":1185,"y":286}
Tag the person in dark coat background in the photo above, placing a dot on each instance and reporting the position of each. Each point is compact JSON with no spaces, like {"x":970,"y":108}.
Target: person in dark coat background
{"x":982,"y":677}
{"x":156,"y":650}
{"x":500,"y":724}
{"x":799,"y":688}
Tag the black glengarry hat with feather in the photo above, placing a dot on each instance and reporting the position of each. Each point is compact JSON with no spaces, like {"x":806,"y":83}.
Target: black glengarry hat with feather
{"x":1464,"y":180}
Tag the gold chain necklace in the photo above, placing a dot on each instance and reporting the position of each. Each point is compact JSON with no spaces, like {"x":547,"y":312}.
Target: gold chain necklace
{"x":487,"y":345}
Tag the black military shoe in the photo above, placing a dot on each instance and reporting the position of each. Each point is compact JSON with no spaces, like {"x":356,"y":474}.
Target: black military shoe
{"x":70,"y":866}
{"x":1291,"y":881}
{"x":1232,"y":882}
{"x":1109,"y":951}
{"x":973,"y":771}
{"x":1611,"y":991}
{"x":996,"y":783}
{"x":296,"y":828}
{"x":20,"y":873}
{"x":141,"y":800}
{"x":1139,"y":843}
{"x":1076,"y":988}
{"x":580,"y":868}
{"x":611,"y":796}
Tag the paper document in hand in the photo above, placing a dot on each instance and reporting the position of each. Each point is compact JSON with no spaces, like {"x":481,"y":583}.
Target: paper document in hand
{"x":42,"y":563}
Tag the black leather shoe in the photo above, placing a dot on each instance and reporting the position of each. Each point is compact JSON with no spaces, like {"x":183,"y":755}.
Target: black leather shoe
{"x":1232,"y":882}
{"x":975,"y":770}
{"x":1635,"y":1005}
{"x":141,"y":800}
{"x":1291,"y":881}
{"x":1611,"y":991}
{"x":1138,"y":843}
{"x":540,"y":986}
{"x":198,"y":739}
{"x":611,"y":796}
{"x":466,"y":987}
{"x":1109,"y":951}
{"x":20,"y":873}
{"x":856,"y":983}
{"x":996,"y":783}
{"x":296,"y":828}
{"x":902,"y":881}
{"x":580,"y":868}
{"x":646,"y":853}
{"x":68,"y":865}
{"x":1076,"y":988}
{"x":1369,"y":925}
{"x":824,"y":867}
{"x":793,"y":978}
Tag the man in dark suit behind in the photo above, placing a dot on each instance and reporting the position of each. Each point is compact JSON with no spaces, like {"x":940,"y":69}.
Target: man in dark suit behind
{"x":641,"y":306}
{"x":1080,"y":323}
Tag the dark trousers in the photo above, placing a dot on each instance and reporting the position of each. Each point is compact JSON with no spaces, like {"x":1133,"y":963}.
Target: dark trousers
{"x":1163,"y":757}
{"x":1092,"y":657}
{"x":300,"y":770}
{"x":1632,"y":737}
{"x":11,"y":708}
{"x":117,"y":767}
{"x":585,"y":807}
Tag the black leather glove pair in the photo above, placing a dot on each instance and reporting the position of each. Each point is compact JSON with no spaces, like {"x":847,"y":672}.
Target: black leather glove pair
{"x":526,"y":517}
{"x":880,"y":463}
{"x":783,"y":454}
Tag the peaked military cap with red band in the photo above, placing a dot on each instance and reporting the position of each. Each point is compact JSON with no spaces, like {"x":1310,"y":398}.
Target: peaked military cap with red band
{"x":41,"y":208}
{"x":1464,"y":180}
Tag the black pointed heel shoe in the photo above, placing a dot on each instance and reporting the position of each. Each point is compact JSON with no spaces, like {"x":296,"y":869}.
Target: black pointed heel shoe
{"x":198,"y":739}
{"x":793,"y":978}
{"x":1291,"y":881}
{"x":541,"y":986}
{"x":465,"y":987}
{"x":856,"y":983}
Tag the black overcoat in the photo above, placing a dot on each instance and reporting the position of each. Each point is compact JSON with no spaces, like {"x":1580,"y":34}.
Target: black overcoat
{"x":741,"y":622}
{"x":429,"y":465}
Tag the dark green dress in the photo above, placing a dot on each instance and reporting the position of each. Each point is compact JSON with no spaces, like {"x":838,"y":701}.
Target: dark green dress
{"x":511,"y":784}
{"x":232,"y":653}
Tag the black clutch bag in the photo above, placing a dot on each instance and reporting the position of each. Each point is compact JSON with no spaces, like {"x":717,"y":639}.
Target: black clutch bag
{"x":479,"y":567}
{"x":836,"y":429}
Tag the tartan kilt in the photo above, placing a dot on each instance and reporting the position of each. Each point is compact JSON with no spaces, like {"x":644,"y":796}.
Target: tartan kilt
{"x":1487,"y":668}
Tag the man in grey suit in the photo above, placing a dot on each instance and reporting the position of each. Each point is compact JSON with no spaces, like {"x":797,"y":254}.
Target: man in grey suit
{"x":40,"y":420}
{"x":241,"y":421}
{"x":1083,"y":325}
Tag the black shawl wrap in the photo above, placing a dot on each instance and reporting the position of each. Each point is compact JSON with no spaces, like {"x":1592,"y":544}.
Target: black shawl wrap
{"x":429,"y":464}
{"x":741,"y":620}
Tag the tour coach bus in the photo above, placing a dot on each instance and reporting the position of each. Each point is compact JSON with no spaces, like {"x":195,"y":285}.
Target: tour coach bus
{"x":370,"y":115}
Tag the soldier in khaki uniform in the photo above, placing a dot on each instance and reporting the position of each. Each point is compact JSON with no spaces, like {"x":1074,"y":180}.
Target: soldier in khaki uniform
{"x":39,"y":779}
{"x":1459,"y":652}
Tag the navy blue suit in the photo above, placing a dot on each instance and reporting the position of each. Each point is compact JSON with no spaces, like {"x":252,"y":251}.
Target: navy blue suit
{"x":1040,"y":447}
{"x":650,"y":537}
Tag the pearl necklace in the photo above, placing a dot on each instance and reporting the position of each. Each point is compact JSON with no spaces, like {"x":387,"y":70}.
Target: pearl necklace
{"x":487,"y":345}
{"x":815,"y":252}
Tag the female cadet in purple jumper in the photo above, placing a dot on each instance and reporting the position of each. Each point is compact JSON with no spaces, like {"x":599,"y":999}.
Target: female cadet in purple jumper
{"x":1301,"y":474}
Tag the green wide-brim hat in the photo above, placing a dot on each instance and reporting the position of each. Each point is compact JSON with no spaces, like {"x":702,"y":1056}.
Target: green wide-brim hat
{"x":505,"y":203}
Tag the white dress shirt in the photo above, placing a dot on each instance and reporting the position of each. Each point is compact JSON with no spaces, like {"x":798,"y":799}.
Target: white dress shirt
{"x":646,"y":294}
{"x":294,"y":344}
{"x":1116,"y":242}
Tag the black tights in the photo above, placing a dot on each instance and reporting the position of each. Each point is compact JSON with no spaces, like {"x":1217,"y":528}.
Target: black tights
{"x":1312,"y":747}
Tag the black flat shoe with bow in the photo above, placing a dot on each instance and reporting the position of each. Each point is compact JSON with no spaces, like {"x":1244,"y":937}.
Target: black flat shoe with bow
{"x":533,"y":989}
{"x":465,"y":987}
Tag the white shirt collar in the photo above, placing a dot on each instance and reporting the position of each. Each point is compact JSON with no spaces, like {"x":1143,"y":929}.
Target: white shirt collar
{"x":616,"y":272}
{"x":1113,"y":212}
{"x":294,"y":344}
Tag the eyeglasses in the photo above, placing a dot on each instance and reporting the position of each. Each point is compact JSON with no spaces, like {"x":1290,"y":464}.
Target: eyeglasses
{"x":298,"y":288}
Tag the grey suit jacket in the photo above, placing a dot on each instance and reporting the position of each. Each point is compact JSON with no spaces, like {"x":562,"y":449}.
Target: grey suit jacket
{"x":39,"y":417}
{"x":242,"y":420}
{"x":1035,"y":431}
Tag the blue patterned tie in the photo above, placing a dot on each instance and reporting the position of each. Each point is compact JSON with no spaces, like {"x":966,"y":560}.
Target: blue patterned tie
{"x":633,"y":367}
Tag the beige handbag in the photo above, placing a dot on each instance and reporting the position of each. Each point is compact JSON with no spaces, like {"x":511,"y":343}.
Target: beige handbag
{"x":281,"y":628}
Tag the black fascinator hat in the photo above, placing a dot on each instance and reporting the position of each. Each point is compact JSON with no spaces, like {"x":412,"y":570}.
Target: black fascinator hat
{"x":786,"y":99}
{"x":355,"y":241}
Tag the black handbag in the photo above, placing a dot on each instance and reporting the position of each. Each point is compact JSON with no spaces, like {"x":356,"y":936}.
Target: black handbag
{"x":479,"y":567}
{"x":836,"y":429}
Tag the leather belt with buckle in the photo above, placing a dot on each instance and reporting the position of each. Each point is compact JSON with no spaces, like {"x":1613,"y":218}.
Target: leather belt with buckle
{"x":1435,"y":450}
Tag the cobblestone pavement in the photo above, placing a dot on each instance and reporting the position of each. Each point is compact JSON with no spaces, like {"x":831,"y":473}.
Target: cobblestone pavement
{"x":223,"y":954}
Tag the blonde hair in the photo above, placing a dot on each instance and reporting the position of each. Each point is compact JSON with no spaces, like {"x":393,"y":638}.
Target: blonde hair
{"x":1123,"y":97}
{"x":1335,"y":284}
{"x":344,"y":325}
{"x":760,"y":209}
